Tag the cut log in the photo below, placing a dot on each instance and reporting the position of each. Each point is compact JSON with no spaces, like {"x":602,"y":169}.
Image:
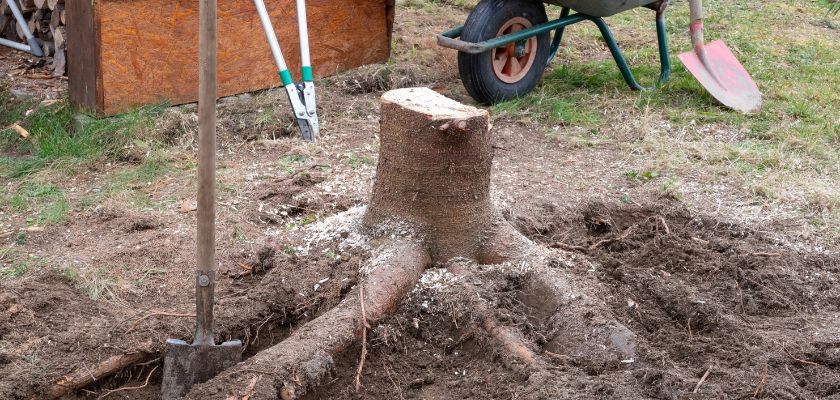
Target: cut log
{"x":60,"y":62}
{"x":21,"y":35}
{"x":27,"y":6}
{"x":55,"y":16}
{"x":47,"y":47}
{"x":59,"y":36}
{"x":53,"y":4}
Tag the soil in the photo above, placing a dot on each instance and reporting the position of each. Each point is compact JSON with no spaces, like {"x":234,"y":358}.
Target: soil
{"x":743,"y":300}
{"x":702,"y":294}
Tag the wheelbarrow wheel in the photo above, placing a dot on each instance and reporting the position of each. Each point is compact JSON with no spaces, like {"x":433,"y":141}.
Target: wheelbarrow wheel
{"x":509,"y":71}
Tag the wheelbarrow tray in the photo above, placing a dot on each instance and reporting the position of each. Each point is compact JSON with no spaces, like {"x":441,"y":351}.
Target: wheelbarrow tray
{"x":600,"y":8}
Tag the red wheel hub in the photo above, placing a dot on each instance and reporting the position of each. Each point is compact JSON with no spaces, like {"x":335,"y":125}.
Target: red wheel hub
{"x":510,"y":65}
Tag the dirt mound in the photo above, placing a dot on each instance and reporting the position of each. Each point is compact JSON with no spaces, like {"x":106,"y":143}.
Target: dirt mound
{"x":702,"y":295}
{"x":760,"y":314}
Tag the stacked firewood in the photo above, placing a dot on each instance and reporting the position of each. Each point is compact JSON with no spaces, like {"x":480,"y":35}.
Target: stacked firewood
{"x":46,"y":20}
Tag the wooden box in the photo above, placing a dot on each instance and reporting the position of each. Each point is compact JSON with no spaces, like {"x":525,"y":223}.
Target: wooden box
{"x":127,"y":53}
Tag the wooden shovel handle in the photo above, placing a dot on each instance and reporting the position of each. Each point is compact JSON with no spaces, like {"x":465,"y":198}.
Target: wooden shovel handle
{"x":696,"y":26}
{"x":206,"y":233}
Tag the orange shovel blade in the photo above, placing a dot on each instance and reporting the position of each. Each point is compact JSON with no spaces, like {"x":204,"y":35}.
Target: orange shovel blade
{"x":724,"y":77}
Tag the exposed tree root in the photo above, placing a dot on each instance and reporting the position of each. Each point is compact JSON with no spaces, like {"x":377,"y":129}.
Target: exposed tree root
{"x":583,"y":326}
{"x":516,"y":348}
{"x":432,"y":184}
{"x":306,"y":357}
{"x":85,"y":377}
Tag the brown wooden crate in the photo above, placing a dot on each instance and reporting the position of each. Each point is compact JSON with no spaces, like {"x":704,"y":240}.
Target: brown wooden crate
{"x":126,"y":53}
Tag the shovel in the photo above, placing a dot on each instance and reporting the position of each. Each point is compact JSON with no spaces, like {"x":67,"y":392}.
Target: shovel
{"x":188,"y":364}
{"x":717,"y":69}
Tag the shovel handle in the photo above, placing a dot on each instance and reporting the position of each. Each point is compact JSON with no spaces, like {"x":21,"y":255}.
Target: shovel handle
{"x":206,"y":218}
{"x":696,"y":25}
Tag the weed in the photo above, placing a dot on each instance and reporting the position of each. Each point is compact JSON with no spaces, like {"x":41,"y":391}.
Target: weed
{"x":46,"y":203}
{"x":356,"y":160}
{"x":638,"y":177}
{"x":125,"y":181}
{"x":69,"y":274}
{"x":671,"y":190}
{"x":289,"y":162}
{"x":14,"y":270}
{"x":97,"y":284}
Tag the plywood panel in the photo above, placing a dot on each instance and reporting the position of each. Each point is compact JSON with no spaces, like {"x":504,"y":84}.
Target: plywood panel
{"x":149,"y":48}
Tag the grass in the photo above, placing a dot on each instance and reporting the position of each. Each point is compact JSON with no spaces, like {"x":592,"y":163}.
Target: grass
{"x":798,"y":71}
{"x":126,"y":181}
{"x":14,"y":264}
{"x":14,"y":271}
{"x":61,"y":135}
{"x":63,"y":141}
{"x":42,"y":202}
{"x":788,"y":153}
{"x":96,"y":284}
{"x":356,"y":160}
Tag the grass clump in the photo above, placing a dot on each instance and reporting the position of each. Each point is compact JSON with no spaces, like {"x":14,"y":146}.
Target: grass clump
{"x":44,"y":203}
{"x":59,"y":134}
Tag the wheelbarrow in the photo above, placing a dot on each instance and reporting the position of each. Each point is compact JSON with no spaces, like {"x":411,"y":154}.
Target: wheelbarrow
{"x":517,"y":36}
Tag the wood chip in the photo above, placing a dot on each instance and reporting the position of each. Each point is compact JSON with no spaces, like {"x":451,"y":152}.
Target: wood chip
{"x":20,"y":131}
{"x":188,"y":205}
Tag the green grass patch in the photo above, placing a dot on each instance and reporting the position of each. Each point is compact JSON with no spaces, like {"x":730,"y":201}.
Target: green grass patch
{"x":59,"y":134}
{"x":127,"y":180}
{"x":14,"y":264}
{"x":43,"y":203}
{"x":638,"y":177}
{"x":356,"y":160}
{"x":14,"y":270}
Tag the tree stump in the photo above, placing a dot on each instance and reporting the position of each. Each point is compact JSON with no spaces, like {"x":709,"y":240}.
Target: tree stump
{"x":435,"y":162}
{"x":431,"y":204}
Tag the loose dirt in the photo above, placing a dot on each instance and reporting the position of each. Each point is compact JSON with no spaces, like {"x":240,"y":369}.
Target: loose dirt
{"x":758,"y":314}
{"x":752,"y":309}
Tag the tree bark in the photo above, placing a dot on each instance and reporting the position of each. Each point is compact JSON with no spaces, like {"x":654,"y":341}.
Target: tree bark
{"x":433,"y":176}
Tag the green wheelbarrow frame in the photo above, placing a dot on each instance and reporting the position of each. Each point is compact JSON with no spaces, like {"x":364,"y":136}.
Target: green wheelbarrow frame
{"x":450,"y":39}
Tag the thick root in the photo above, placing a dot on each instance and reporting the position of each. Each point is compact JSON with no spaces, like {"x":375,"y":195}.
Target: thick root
{"x":289,"y":368}
{"x":516,"y":348}
{"x":82,"y":378}
{"x":583,"y":326}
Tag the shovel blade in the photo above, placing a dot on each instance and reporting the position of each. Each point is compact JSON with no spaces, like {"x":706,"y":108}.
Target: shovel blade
{"x":724,"y":77}
{"x":187,"y":364}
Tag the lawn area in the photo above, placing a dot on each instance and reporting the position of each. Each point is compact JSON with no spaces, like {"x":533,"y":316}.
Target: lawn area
{"x":785,"y":157}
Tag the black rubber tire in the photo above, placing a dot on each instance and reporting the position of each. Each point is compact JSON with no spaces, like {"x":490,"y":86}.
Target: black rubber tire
{"x":476,"y":70}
